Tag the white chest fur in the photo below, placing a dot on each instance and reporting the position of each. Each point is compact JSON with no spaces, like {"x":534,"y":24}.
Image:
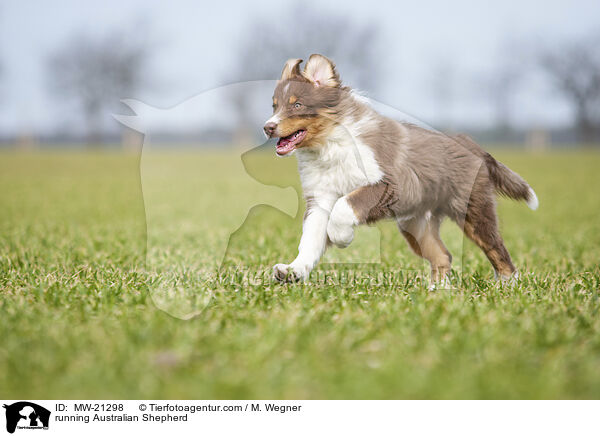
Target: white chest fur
{"x":337,"y":167}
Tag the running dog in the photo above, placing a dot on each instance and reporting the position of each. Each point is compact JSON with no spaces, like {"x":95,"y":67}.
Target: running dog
{"x":357,"y":166}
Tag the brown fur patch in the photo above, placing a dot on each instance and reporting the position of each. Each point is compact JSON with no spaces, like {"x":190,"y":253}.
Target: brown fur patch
{"x":317,"y":127}
{"x":481,"y":227}
{"x":371,"y":203}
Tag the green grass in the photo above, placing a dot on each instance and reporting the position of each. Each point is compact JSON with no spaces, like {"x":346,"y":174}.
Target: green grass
{"x":77,"y":318}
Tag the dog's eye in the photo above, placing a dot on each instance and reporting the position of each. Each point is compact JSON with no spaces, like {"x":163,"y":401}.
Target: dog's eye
{"x":297,"y":105}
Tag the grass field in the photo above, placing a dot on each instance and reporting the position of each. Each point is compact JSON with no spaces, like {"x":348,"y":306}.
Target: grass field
{"x":77,"y":319}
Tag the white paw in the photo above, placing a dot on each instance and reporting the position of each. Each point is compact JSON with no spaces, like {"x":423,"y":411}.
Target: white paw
{"x":339,"y":234}
{"x":441,"y":284}
{"x":289,"y":273}
{"x":340,"y":228}
{"x":511,"y":279}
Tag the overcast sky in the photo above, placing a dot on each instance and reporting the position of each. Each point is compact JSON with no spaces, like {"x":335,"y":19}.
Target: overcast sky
{"x":194,"y":45}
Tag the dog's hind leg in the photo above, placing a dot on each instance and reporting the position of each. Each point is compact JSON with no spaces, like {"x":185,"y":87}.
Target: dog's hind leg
{"x":481,"y":226}
{"x":423,"y":236}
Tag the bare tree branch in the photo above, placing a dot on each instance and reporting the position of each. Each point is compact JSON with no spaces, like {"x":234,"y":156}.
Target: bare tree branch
{"x":442,"y":84}
{"x":96,"y":73}
{"x":575,"y":72}
{"x":500,"y":85}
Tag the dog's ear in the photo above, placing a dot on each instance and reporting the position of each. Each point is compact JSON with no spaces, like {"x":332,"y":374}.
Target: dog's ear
{"x":291,"y":69}
{"x":321,"y":71}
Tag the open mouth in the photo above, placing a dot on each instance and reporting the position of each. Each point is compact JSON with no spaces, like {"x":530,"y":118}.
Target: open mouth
{"x":289,"y":143}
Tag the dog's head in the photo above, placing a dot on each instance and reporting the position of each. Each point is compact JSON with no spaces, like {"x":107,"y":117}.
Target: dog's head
{"x":304,"y":104}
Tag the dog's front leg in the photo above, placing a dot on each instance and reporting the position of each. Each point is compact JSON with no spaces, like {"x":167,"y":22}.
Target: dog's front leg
{"x":365,"y":204}
{"x":312,"y":244}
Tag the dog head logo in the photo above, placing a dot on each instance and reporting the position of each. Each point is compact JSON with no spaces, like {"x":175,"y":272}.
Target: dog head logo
{"x":26,"y":415}
{"x":196,"y":199}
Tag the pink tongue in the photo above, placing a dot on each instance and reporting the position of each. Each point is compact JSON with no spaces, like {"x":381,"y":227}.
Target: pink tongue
{"x":286,"y":140}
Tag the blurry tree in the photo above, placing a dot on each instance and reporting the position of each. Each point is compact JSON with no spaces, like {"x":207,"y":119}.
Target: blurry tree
{"x":501,"y":87}
{"x":442,"y":83}
{"x":96,"y":73}
{"x":267,"y":43}
{"x":502,"y":84}
{"x":575,"y":72}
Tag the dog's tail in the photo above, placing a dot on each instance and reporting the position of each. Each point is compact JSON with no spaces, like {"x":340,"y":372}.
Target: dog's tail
{"x":505,"y":180}
{"x":509,"y":183}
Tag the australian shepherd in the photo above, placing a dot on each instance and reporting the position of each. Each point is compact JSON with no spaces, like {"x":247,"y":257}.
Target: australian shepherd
{"x":357,"y":166}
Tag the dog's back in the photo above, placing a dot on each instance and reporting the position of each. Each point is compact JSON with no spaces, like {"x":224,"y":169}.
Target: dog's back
{"x":433,"y":171}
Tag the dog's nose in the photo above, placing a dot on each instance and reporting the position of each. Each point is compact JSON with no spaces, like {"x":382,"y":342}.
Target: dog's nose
{"x":270,"y":128}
